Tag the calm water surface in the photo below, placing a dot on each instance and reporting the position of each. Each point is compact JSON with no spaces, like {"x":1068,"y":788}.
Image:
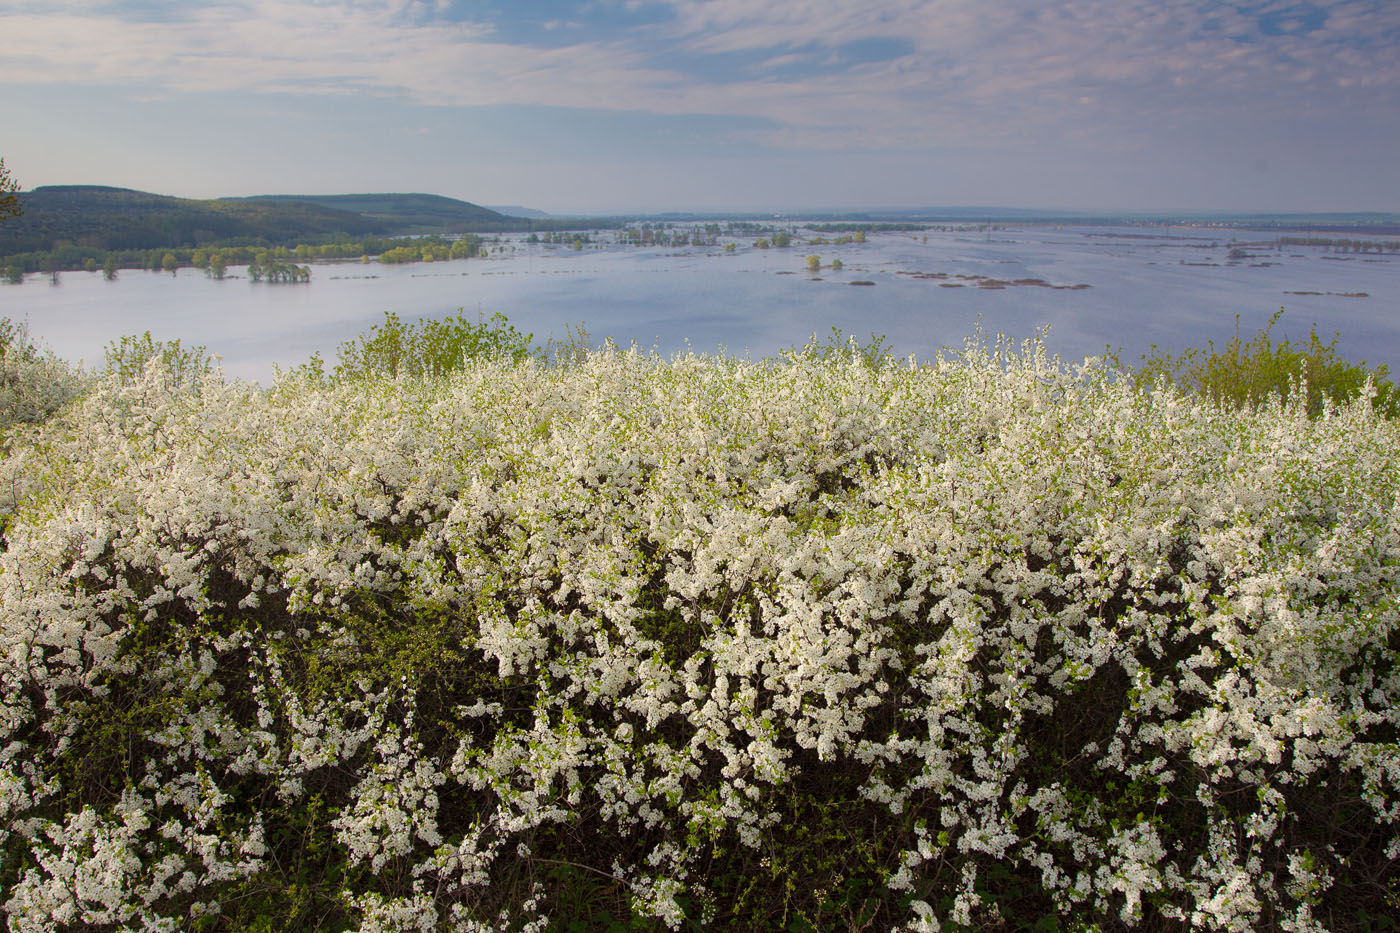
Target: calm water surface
{"x":1170,"y":287}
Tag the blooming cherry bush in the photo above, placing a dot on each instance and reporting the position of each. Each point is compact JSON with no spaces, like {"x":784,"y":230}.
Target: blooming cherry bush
{"x":33,"y":382}
{"x":822,"y":642}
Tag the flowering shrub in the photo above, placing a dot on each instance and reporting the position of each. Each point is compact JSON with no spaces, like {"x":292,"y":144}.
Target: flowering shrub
{"x":33,"y":382}
{"x":819,"y":643}
{"x":34,"y":385}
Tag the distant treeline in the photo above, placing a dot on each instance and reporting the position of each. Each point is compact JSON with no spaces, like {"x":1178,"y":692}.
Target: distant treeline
{"x":867,"y":228}
{"x":217,"y":260}
{"x":670,"y":234}
{"x":1343,"y":245}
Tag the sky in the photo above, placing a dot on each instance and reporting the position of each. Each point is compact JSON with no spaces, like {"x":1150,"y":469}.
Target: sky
{"x":715,"y":105}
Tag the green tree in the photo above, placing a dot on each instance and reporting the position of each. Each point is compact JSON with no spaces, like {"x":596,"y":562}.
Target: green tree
{"x":109,"y":268}
{"x":169,"y":263}
{"x":9,"y":194}
{"x":814,"y":263}
{"x":1243,"y":373}
{"x":429,"y":348}
{"x":127,"y":358}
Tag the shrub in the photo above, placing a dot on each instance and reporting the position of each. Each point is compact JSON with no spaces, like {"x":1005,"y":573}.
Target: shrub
{"x":34,"y":384}
{"x":839,"y":346}
{"x":1242,"y":373}
{"x":573,"y":348}
{"x":702,"y":643}
{"x":430,"y":347}
{"x":127,"y":359}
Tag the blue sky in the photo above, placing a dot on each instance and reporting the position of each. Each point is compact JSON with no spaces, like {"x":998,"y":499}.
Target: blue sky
{"x":715,"y":104}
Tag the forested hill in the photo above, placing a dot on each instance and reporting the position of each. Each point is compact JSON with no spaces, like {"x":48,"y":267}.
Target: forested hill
{"x":405,"y":213}
{"x":119,"y":218}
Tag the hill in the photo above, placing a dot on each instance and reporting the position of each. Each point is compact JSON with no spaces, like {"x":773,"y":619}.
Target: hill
{"x":120,"y":218}
{"x":396,"y":213}
{"x":515,"y":210}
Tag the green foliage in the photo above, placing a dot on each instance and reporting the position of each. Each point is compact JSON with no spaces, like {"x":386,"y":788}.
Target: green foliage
{"x":823,"y":867}
{"x":430,"y":347}
{"x":14,"y":340}
{"x":9,"y":194}
{"x":575,"y":346}
{"x":121,"y":219}
{"x":268,"y":260}
{"x":276,"y":272}
{"x":1246,"y":373}
{"x":34,"y":384}
{"x":127,"y":358}
{"x":431,"y":249}
{"x":840,"y":346}
{"x":116,"y":218}
{"x":403,"y":213}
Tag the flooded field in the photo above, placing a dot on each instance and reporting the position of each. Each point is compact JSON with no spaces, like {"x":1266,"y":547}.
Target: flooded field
{"x":1128,"y":288}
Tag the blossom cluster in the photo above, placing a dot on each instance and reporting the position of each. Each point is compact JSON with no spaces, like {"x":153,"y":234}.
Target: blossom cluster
{"x":33,"y":383}
{"x":1028,"y":638}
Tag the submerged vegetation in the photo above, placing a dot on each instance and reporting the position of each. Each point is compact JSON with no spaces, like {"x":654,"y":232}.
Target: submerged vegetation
{"x":463,"y":636}
{"x":215,"y":261}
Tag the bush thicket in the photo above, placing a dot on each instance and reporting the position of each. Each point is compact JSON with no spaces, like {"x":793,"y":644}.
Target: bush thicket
{"x":827,"y":642}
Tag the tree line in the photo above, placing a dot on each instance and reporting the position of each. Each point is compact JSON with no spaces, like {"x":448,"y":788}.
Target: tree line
{"x":217,"y":260}
{"x":1342,"y":244}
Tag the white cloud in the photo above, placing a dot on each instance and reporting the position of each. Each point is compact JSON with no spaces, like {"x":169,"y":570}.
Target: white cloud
{"x":979,"y":70}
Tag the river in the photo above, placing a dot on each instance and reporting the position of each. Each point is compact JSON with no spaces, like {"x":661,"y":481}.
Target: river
{"x":1137,"y":286}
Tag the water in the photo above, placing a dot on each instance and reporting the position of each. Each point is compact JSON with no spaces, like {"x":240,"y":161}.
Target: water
{"x":758,"y":301}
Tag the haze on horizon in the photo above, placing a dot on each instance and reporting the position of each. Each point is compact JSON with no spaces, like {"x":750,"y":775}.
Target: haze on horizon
{"x":715,"y":105}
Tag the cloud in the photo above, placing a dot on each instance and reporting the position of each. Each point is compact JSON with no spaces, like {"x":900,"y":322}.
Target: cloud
{"x":308,"y":47}
{"x":820,"y":73}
